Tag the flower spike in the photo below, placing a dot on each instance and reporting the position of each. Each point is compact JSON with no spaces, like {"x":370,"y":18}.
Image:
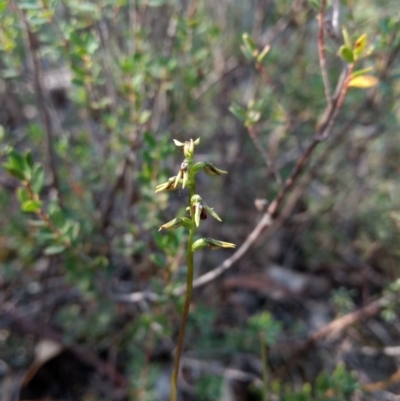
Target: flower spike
{"x":198,"y":210}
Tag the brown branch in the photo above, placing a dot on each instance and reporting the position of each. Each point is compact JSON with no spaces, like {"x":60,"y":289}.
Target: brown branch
{"x":271,"y":168}
{"x":333,"y":328}
{"x":31,"y":47}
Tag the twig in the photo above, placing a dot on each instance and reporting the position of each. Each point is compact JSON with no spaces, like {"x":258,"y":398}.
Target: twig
{"x":268,"y":161}
{"x":335,"y":327}
{"x":322,"y":54}
{"x":228,"y":373}
{"x":34,"y":62}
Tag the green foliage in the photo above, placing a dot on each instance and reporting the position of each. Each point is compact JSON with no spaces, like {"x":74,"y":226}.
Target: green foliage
{"x":264,"y":323}
{"x":338,"y":385}
{"x":208,"y":387}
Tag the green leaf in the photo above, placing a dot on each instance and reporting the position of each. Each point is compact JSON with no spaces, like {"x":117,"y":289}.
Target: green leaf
{"x":238,"y":111}
{"x":263,"y":53}
{"x":250,"y":44}
{"x":363,"y":81}
{"x":16,"y":160}
{"x":14,"y":172}
{"x":92,"y":45}
{"x":23,"y":194}
{"x":74,"y":231}
{"x":31,"y":206}
{"x":54,"y":249}
{"x":29,"y":159}
{"x":37,"y":180}
{"x":346,"y":38}
{"x":361,"y":72}
{"x":346,"y":54}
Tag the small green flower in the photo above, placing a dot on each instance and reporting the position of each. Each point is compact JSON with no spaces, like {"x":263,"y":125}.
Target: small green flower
{"x":188,"y":146}
{"x":167,"y":186}
{"x":177,"y":222}
{"x":211,"y":243}
{"x":183,"y":174}
{"x":200,"y":210}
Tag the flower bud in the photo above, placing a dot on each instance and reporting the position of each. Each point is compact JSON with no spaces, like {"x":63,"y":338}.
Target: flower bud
{"x":200,"y":210}
{"x":177,"y":222}
{"x":183,"y":174}
{"x":167,"y":186}
{"x":210,"y":169}
{"x":188,"y":146}
{"x":211,"y":243}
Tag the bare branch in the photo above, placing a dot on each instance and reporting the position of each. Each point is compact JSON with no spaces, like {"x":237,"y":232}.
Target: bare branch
{"x":271,"y":168}
{"x":31,"y":47}
{"x":333,"y":328}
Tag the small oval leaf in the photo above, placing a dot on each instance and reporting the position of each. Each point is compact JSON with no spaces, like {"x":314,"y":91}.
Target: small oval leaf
{"x":346,"y":54}
{"x":54,"y":249}
{"x":31,"y":206}
{"x":363,"y":81}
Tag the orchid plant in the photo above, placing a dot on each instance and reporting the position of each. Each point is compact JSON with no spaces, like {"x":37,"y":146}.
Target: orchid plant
{"x":197,"y":211}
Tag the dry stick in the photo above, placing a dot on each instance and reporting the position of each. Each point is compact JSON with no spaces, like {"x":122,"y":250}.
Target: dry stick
{"x":322,"y":54}
{"x":333,"y":328}
{"x":322,"y":132}
{"x":41,"y":98}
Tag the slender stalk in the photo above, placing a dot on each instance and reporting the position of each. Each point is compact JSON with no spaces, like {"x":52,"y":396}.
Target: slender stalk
{"x":189,"y":286}
{"x":264,"y":367}
{"x":188,"y":296}
{"x":198,"y":211}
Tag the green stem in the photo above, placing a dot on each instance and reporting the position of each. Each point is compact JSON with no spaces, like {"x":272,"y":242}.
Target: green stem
{"x":264,"y":367}
{"x":188,"y":297}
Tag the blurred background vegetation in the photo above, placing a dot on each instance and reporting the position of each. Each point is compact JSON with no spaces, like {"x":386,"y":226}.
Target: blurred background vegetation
{"x":91,"y":95}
